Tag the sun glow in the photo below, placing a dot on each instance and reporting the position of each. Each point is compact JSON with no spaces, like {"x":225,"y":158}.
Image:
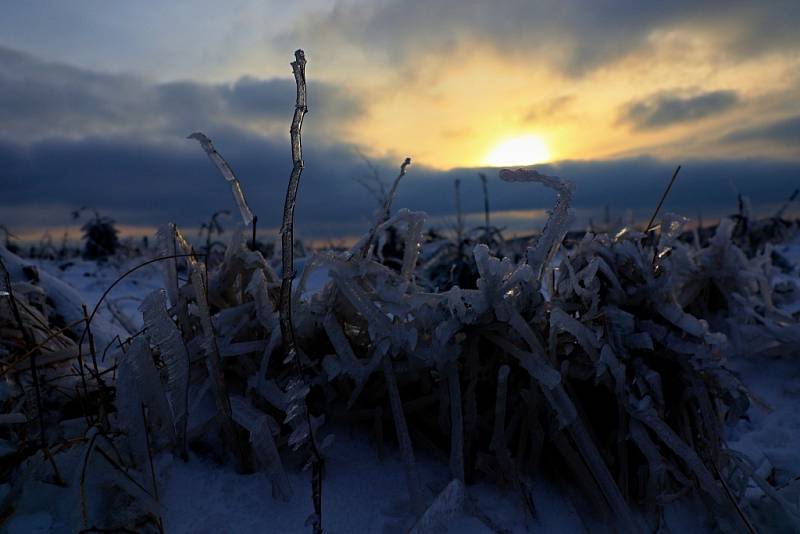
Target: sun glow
{"x":522,"y":150}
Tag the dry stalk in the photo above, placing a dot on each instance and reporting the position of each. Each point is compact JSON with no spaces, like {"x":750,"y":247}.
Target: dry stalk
{"x":661,"y":200}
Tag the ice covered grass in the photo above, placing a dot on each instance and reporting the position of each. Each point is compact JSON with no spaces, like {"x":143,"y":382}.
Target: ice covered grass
{"x":592,"y":379}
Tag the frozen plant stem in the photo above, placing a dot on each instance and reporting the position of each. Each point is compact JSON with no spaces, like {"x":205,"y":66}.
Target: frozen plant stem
{"x":227,"y":173}
{"x":287,"y":262}
{"x":387,"y":208}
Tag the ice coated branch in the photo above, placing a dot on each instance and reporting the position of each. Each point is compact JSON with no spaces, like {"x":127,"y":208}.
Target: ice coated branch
{"x":287,"y":262}
{"x":287,"y":227}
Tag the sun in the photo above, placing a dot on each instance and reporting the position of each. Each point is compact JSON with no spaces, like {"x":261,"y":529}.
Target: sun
{"x":522,"y":150}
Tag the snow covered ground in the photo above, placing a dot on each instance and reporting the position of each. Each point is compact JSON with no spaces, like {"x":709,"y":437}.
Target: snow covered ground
{"x":363,"y":493}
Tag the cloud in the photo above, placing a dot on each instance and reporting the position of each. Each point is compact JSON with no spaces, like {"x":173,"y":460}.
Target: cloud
{"x":550,"y":109}
{"x":672,"y":107}
{"x":154,"y":183}
{"x":783,"y":132}
{"x":575,"y":36}
{"x":40,"y":100}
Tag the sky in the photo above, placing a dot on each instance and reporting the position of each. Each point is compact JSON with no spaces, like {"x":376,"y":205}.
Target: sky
{"x":97,"y":98}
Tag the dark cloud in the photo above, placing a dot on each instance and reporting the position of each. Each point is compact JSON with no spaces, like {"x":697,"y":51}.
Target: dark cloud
{"x":784,"y":132}
{"x":44,"y":100}
{"x":573,"y":35}
{"x":670,"y":108}
{"x":153,"y":183}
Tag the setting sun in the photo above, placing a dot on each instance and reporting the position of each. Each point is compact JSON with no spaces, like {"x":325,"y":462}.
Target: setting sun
{"x":523,"y":150}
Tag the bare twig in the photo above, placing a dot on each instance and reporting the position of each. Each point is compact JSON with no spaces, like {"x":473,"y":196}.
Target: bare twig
{"x":378,"y":190}
{"x":661,"y":200}
{"x":387,"y":208}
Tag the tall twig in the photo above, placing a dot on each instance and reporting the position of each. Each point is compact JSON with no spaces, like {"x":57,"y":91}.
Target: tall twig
{"x":287,"y":261}
{"x":661,"y":201}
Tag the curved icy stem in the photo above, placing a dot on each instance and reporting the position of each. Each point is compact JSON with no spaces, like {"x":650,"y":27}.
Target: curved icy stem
{"x":227,"y":173}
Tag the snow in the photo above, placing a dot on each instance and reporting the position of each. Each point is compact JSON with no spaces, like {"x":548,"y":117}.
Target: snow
{"x":92,"y":279}
{"x":362,"y":493}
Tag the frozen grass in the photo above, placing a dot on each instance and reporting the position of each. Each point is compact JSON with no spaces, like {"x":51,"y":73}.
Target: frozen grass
{"x":486,"y":376}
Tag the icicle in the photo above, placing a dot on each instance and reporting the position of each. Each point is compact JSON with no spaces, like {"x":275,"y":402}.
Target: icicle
{"x":456,"y":422}
{"x":649,"y":417}
{"x":406,"y":448}
{"x":162,"y":332}
{"x":165,"y":239}
{"x":260,"y":426}
{"x":138,"y":383}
